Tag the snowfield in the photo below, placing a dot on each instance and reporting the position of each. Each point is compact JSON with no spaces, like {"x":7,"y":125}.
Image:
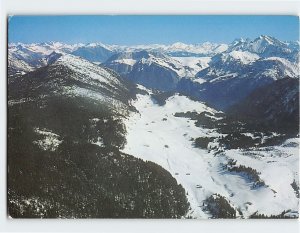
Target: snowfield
{"x":194,"y":63}
{"x":244,"y":57}
{"x":155,"y":134}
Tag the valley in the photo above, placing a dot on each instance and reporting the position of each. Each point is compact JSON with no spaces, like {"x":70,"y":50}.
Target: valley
{"x":155,"y":134}
{"x":154,"y":131}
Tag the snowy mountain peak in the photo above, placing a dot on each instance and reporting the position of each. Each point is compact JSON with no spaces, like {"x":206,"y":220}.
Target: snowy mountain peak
{"x":179,"y":45}
{"x":19,"y":46}
{"x":266,"y":46}
{"x":238,"y":41}
{"x":263,"y":41}
{"x":86,"y":69}
{"x":269,"y":39}
{"x":98,"y":44}
{"x":52,"y":57}
{"x":244,"y":57}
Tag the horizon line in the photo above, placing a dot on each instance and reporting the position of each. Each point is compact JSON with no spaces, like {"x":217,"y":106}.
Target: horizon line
{"x":200,"y":43}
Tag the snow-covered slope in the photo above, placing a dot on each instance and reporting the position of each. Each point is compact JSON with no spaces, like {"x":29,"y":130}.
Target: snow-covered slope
{"x":17,"y":66}
{"x":28,"y":57}
{"x":43,"y":48}
{"x":151,"y":69}
{"x":94,"y":52}
{"x":73,"y":76}
{"x":87,"y":70}
{"x":179,"y":49}
{"x":147,"y":58}
{"x":155,"y":134}
{"x":194,"y":64}
{"x":245,"y":64}
{"x":266,"y":46}
{"x":244,"y":67}
{"x":66,"y":128}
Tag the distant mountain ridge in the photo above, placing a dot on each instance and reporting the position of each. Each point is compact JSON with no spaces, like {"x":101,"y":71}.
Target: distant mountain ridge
{"x":219,"y":74}
{"x":244,"y":67}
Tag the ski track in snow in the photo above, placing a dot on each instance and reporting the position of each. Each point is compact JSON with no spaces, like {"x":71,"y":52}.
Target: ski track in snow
{"x":155,"y":134}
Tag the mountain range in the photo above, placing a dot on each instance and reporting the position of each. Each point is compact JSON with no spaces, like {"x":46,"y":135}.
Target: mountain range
{"x":154,"y":131}
{"x":196,"y":70}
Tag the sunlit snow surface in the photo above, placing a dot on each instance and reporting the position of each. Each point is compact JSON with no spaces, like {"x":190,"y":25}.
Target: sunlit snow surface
{"x":87,"y":70}
{"x":156,"y":135}
{"x":194,"y":63}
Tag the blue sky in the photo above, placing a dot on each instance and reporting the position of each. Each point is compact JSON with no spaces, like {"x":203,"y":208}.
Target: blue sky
{"x":131,"y":30}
